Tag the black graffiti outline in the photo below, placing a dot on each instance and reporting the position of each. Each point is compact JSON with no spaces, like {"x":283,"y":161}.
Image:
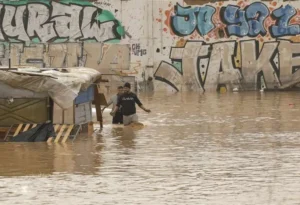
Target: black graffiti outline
{"x":137,"y":50}
{"x":13,"y":23}
{"x":172,"y":60}
{"x":198,"y":73}
{"x":180,"y":60}
{"x":2,"y":13}
{"x":211,"y":19}
{"x":46,"y":22}
{"x":93,"y":21}
{"x":163,"y":79}
{"x":196,"y":13}
{"x":208,"y":56}
{"x":176,"y":12}
{"x":271,"y":60}
{"x":52,"y":20}
{"x":296,"y":67}
{"x":222,"y":14}
{"x":275,"y":67}
{"x":25,"y":22}
{"x":277,"y":23}
{"x":199,"y":58}
{"x":259,"y":15}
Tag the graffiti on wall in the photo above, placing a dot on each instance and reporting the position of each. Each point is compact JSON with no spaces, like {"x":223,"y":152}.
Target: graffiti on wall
{"x":244,"y":19}
{"x":137,"y":50}
{"x":199,"y":65}
{"x":51,"y":21}
{"x":107,"y":58}
{"x":254,"y":45}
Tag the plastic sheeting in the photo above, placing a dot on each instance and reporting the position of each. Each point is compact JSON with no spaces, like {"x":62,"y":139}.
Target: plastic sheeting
{"x":7,"y":91}
{"x":63,"y":88}
{"x":40,"y":133}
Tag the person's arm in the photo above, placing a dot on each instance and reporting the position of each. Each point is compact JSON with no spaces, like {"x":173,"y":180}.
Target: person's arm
{"x":115,"y":109}
{"x":137,"y":100}
{"x":117,"y":106}
{"x":108,"y":104}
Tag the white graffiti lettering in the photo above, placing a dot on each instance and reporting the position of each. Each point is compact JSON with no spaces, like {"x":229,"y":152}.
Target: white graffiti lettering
{"x":274,"y":65}
{"x":11,"y":13}
{"x":91,"y":28}
{"x":67,"y":20}
{"x":37,"y":22}
{"x":46,"y":23}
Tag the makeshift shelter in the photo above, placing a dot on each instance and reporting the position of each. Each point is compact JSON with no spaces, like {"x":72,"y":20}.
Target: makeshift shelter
{"x":40,"y":95}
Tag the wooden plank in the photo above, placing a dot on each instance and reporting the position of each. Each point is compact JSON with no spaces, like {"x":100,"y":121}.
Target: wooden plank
{"x":33,"y":126}
{"x":62,"y":129}
{"x":22,"y":111}
{"x":4,"y":129}
{"x":98,"y":98}
{"x":18,"y":129}
{"x":61,"y":116}
{"x":26,"y":127}
{"x":68,"y":133}
{"x":55,"y":130}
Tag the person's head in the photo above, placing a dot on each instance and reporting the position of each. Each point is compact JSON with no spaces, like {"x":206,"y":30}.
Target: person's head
{"x":127,"y":87}
{"x":120,"y":89}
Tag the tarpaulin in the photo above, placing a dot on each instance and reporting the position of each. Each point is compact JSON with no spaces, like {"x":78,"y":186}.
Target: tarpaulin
{"x":40,"y":133}
{"x":62,"y":87}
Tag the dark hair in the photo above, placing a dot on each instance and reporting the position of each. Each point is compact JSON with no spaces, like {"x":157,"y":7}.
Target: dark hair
{"x":127,"y":85}
{"x":120,"y":87}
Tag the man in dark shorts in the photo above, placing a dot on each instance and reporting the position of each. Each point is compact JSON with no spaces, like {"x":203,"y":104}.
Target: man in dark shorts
{"x":127,"y":101}
{"x":118,"y":117}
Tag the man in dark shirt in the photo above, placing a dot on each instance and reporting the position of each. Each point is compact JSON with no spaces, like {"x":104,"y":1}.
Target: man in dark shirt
{"x":127,"y":100}
{"x":118,"y":117}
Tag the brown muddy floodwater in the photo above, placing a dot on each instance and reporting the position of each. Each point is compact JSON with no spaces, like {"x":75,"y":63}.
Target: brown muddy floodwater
{"x":233,"y":149}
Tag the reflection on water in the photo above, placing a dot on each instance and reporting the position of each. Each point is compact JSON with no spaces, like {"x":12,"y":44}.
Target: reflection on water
{"x":235,"y":148}
{"x":19,"y":159}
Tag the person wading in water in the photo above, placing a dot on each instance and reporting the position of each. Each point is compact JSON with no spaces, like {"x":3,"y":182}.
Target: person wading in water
{"x":118,"y":117}
{"x":127,"y":101}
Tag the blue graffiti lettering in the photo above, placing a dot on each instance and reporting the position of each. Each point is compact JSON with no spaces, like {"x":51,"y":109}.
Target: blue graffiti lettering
{"x":184,"y":21}
{"x":283,"y":16}
{"x":256,"y":14}
{"x":236,"y":19}
{"x":239,"y":22}
{"x":187,"y":19}
{"x":205,"y":24}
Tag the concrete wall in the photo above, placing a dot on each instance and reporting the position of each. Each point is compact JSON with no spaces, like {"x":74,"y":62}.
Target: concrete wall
{"x":244,"y":44}
{"x":62,"y":34}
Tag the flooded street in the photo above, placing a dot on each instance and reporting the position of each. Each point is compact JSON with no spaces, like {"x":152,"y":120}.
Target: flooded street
{"x":212,"y":149}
